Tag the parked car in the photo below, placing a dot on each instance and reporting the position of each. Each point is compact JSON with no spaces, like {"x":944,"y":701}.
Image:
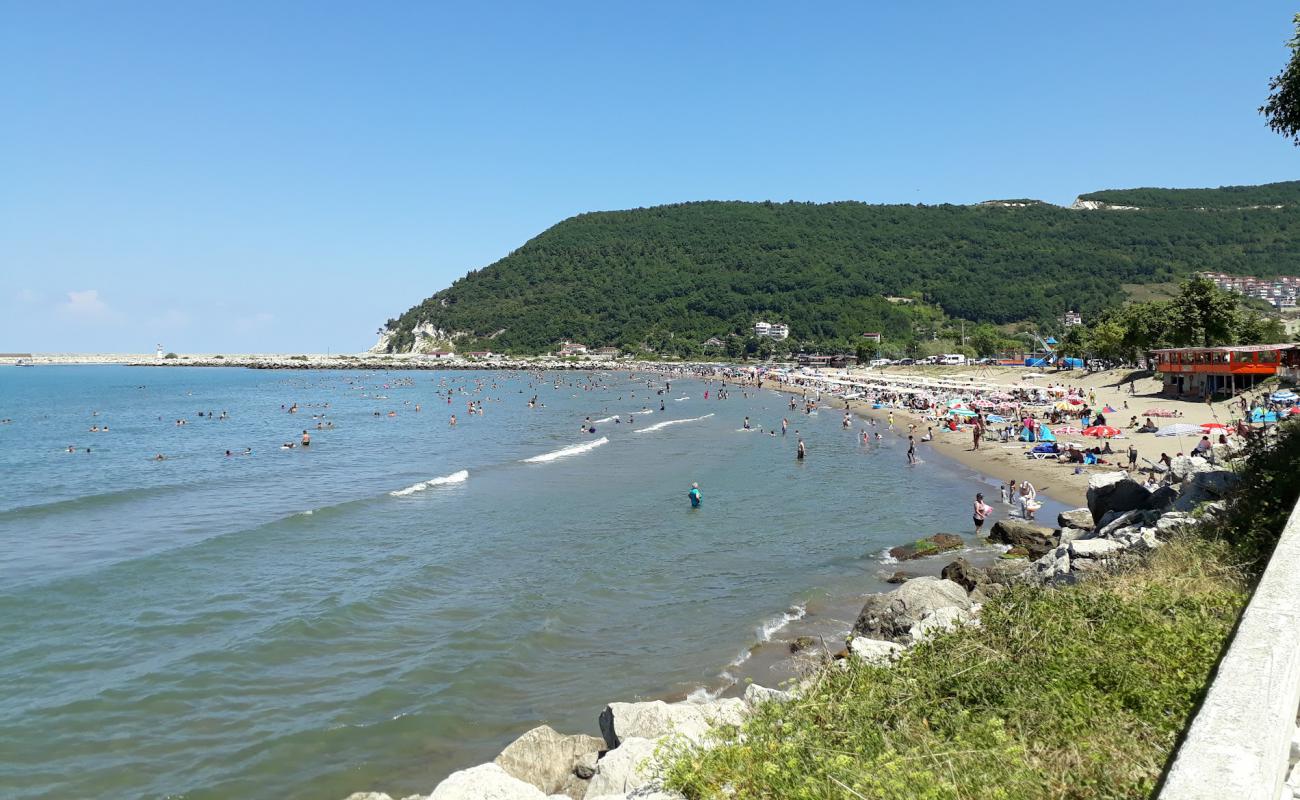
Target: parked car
{"x":906,"y":362}
{"x":879,"y":362}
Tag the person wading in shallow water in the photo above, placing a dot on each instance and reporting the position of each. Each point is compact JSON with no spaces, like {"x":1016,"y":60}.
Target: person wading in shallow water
{"x":799,"y":452}
{"x":695,"y":495}
{"x":982,"y":511}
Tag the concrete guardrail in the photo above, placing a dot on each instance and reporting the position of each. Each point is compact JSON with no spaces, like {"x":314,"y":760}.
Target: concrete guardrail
{"x":1243,"y":743}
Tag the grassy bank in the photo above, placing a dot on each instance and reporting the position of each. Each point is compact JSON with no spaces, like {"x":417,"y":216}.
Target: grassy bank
{"x":1076,"y":691}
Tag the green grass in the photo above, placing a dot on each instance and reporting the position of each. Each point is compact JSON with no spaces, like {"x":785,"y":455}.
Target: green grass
{"x":1068,"y":692}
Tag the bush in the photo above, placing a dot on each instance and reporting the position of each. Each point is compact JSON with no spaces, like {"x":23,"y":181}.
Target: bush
{"x":1254,"y":518}
{"x":171,"y":355}
{"x":1078,"y":691}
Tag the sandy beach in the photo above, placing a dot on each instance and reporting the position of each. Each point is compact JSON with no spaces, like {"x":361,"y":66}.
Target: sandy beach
{"x":1007,"y":461}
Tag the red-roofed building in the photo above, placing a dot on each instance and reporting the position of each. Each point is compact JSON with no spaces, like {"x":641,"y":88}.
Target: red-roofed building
{"x":1198,"y":371}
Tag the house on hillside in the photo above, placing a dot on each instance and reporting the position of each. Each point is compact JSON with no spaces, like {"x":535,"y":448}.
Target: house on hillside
{"x":568,"y":348}
{"x":770,"y":330}
{"x":872,"y":337}
{"x":712,"y":342}
{"x":1072,"y":319}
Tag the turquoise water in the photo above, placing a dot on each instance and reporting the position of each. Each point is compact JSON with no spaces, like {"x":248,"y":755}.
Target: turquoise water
{"x":283,"y":624}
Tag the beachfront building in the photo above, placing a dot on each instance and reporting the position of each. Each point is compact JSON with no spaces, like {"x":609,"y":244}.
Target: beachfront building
{"x":1198,"y":371}
{"x":604,"y":353}
{"x":770,"y":330}
{"x":572,"y":349}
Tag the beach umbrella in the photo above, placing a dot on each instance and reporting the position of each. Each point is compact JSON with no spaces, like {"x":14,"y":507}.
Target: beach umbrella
{"x":1283,"y":396}
{"x":1180,"y":429}
{"x":1157,"y":412}
{"x":1076,"y":401}
{"x":1214,"y":426}
{"x":995,"y":418}
{"x":962,"y":412}
{"x":1068,"y":429}
{"x":1106,"y":431}
{"x":1109,"y":410}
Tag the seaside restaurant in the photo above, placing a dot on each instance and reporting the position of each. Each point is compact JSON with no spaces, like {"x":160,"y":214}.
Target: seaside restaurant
{"x":1198,"y":371}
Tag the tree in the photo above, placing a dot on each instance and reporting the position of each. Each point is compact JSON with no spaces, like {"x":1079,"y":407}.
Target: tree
{"x":1106,"y":340}
{"x":735,"y":348}
{"x":864,"y":352}
{"x":1282,"y":111}
{"x":1204,"y":314}
{"x":986,"y":340}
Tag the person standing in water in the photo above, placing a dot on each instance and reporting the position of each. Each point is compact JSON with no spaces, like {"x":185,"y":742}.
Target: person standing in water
{"x":746,"y":423}
{"x":306,"y":439}
{"x":785,"y":423}
{"x":982,"y":511}
{"x":911,"y":449}
{"x":695,"y":495}
{"x":799,"y":451}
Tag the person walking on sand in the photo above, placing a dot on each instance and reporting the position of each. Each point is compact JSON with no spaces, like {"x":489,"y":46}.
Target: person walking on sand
{"x":982,"y":511}
{"x":1132,"y":456}
{"x":977,"y":430}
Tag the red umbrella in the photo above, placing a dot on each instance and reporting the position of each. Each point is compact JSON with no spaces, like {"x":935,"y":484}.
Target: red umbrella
{"x":1214,"y":426}
{"x":1101,"y":431}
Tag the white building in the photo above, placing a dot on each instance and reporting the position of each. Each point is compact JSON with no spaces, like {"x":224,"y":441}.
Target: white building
{"x":770,"y":331}
{"x":1071,"y":319}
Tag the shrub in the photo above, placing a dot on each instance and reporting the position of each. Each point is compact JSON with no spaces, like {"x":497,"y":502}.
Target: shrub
{"x":171,"y":355}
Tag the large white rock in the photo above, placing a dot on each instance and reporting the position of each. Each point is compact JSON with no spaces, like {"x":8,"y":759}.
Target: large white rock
{"x":1183,"y":467}
{"x":874,"y":651}
{"x":545,"y":758}
{"x":656,"y":718}
{"x":644,"y":793}
{"x":485,"y":782}
{"x":368,"y":796}
{"x":629,"y":767}
{"x":939,"y":621}
{"x":755,"y":695}
{"x":891,"y":615}
{"x":1094,"y":548}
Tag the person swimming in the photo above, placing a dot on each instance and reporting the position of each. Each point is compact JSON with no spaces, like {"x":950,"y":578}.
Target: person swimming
{"x":695,"y":495}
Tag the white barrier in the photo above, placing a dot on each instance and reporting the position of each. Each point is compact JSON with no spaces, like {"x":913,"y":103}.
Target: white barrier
{"x":1239,"y":746}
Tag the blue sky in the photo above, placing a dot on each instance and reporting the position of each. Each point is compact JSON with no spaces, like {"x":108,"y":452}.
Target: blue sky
{"x":284,"y":177}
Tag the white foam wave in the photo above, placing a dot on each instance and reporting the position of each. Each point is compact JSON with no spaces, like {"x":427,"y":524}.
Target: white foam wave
{"x":602,"y":420}
{"x":680,"y":399}
{"x":572,"y":450}
{"x":771,"y":626}
{"x":703,"y":695}
{"x":668,"y":422}
{"x":886,"y":558}
{"x":455,"y":477}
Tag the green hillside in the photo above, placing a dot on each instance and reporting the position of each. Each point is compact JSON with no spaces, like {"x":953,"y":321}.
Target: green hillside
{"x":687,"y":272}
{"x":1225,"y":197}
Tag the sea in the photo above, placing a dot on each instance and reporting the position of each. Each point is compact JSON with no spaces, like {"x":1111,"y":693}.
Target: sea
{"x":404,"y":596}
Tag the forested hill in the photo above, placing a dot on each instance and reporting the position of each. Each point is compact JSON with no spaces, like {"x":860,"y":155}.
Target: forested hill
{"x":696,"y":270}
{"x":1225,"y":197}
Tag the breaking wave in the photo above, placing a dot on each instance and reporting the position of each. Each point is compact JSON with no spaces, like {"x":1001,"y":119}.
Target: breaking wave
{"x":455,"y":477}
{"x":571,"y":450}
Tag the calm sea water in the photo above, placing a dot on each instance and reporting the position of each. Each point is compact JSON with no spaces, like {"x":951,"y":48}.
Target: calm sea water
{"x":308,"y":623}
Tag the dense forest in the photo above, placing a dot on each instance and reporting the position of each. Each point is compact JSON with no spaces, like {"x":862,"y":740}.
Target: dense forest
{"x":1225,"y":197}
{"x":669,"y":277}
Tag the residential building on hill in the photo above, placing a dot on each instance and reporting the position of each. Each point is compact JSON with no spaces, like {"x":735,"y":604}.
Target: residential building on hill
{"x":769,"y":330}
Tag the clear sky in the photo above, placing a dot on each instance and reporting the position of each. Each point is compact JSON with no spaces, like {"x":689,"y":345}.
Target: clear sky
{"x":285,"y":176}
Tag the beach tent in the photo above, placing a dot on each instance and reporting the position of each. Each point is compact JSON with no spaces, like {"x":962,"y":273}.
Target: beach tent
{"x":1045,"y":434}
{"x":1180,"y":429}
{"x":1026,"y":435}
{"x":1260,"y":415}
{"x":995,"y":418}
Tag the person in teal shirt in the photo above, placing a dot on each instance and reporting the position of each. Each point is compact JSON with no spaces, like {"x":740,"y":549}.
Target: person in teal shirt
{"x":695,"y":495}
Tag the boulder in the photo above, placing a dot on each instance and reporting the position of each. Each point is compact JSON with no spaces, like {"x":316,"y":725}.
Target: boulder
{"x":1171,"y":523}
{"x":876,"y":652}
{"x":1078,"y":518}
{"x":368,"y":796}
{"x":802,"y":643}
{"x":546,"y":758}
{"x":930,"y":545}
{"x":1094,"y":548}
{"x":585,"y":766}
{"x":1162,"y":498}
{"x":1016,"y":552}
{"x":485,"y":782}
{"x":624,"y":769}
{"x":940,"y":621}
{"x":900,"y":577}
{"x":1184,"y":467}
{"x":1035,"y":539}
{"x":756,"y":695}
{"x":1052,"y":565}
{"x":1114,"y":522}
{"x":890,"y":616}
{"x":643,"y":793}
{"x":964,"y":574}
{"x":656,"y":718}
{"x":1217,"y":483}
{"x":1114,"y":491}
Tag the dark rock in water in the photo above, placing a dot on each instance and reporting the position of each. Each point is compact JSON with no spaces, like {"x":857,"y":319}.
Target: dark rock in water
{"x":890,"y":616}
{"x":802,"y":643}
{"x":1036,"y":541}
{"x":1115,"y":491}
{"x":900,"y":577}
{"x":964,"y":574}
{"x":1079,"y":518}
{"x":938,"y":543}
{"x":1016,"y":552}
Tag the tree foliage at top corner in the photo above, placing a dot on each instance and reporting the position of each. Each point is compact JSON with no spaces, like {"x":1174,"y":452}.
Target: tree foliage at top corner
{"x":1282,"y":111}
